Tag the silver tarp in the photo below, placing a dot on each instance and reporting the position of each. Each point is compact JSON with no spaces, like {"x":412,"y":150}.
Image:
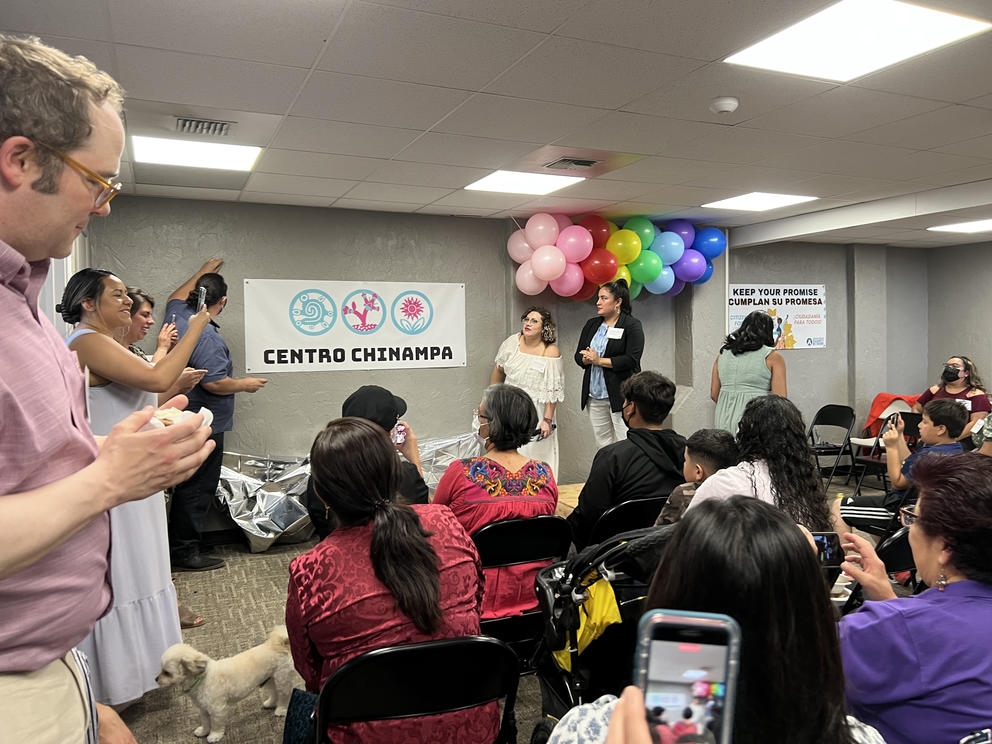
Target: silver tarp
{"x":266,"y":496}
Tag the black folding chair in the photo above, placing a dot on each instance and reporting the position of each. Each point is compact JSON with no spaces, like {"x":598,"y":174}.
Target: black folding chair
{"x":874,"y":462}
{"x":897,"y":555}
{"x":839,"y":417}
{"x":512,"y":542}
{"x":422,"y":679}
{"x":626,"y":516}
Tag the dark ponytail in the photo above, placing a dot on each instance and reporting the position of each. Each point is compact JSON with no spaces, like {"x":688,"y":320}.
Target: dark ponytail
{"x":85,"y":284}
{"x":620,"y":291}
{"x":355,"y":471}
{"x":216,"y":289}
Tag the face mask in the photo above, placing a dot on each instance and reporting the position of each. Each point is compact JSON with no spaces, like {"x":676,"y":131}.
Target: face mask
{"x":624,"y":417}
{"x":476,"y":429}
{"x":950,"y":374}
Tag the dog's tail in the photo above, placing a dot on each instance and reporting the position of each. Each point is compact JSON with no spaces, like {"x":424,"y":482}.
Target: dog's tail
{"x":279,"y":637}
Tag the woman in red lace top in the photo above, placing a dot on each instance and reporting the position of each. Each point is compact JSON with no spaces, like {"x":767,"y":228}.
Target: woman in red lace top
{"x":387,"y":575}
{"x":501,"y":484}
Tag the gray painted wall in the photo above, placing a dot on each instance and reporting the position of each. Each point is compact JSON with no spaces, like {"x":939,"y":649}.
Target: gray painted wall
{"x":907,"y":314}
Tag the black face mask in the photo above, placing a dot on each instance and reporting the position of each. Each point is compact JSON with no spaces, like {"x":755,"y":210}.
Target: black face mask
{"x":950,"y":374}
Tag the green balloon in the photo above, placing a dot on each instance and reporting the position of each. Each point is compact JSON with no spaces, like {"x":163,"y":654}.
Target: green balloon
{"x":646,"y":267}
{"x":635,"y":289}
{"x":644,"y":229}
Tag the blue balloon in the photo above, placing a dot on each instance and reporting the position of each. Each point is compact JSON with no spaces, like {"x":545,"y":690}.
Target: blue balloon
{"x":664,"y":282}
{"x":669,"y":246}
{"x":711,"y":242}
{"x":706,"y":274}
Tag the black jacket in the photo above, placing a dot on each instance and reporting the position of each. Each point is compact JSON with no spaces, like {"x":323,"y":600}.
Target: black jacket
{"x":624,"y":352}
{"x":647,"y":463}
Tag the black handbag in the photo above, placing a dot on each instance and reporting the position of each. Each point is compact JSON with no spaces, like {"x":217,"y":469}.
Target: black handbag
{"x":301,"y":719}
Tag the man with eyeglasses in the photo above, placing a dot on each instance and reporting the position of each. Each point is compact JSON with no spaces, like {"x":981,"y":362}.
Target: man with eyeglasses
{"x":61,"y":140}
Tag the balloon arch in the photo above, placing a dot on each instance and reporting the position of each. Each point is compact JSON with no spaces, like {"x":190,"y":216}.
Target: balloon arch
{"x":575,"y":259}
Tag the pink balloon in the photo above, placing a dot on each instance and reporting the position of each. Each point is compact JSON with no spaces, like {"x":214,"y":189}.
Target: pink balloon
{"x":548,"y":262}
{"x":541,"y":229}
{"x":575,"y":242}
{"x":527,"y":282}
{"x":569,"y":282}
{"x":563,"y":221}
{"x":518,"y":247}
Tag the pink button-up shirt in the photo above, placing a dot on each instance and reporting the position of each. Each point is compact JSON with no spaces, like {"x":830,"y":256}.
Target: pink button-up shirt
{"x":52,"y":604}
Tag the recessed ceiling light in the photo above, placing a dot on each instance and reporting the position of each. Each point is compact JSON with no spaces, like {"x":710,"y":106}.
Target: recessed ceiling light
{"x":964,"y":227}
{"x":194,"y":154}
{"x":516,"y":182}
{"x":758,"y":201}
{"x":855,"y":37}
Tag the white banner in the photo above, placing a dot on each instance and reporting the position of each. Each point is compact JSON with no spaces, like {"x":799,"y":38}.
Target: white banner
{"x":306,"y":326}
{"x":798,"y":310}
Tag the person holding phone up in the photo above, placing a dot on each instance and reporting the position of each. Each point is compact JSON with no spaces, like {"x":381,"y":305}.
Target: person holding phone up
{"x":191,"y":499}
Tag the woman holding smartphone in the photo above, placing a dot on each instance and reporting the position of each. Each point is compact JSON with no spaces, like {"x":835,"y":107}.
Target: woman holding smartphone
{"x":746,"y":559}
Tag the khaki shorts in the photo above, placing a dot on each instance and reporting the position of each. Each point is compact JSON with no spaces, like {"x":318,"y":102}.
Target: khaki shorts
{"x":48,"y":706}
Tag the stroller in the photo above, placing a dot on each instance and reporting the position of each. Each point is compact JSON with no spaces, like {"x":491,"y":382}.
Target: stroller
{"x":591,"y":605}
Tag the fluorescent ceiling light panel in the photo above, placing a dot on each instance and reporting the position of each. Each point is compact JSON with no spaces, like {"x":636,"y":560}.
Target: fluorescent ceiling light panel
{"x":194,"y":154}
{"x":964,"y":227}
{"x":758,"y":201}
{"x":516,"y":182}
{"x":855,"y":37}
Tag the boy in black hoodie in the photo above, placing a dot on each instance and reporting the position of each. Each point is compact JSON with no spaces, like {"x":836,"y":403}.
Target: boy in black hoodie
{"x":647,"y":463}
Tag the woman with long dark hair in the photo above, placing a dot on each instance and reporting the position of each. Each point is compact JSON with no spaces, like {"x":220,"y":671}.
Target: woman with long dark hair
{"x":747,"y":559}
{"x":609,"y":351}
{"x":388,"y":574}
{"x":746,"y":367}
{"x":776,"y":465}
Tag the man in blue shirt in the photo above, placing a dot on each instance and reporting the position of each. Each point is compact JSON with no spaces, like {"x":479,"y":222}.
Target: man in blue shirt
{"x":191,"y":499}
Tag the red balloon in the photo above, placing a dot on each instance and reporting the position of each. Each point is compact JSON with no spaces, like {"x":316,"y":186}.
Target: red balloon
{"x":599,"y":228}
{"x":601,"y":266}
{"x":588,"y":290}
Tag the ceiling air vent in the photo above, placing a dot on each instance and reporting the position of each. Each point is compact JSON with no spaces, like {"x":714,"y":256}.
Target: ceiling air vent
{"x":207,"y":127}
{"x":571,"y":164}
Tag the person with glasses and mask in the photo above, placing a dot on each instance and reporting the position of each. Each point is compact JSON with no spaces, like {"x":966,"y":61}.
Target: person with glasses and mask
{"x":61,"y":139}
{"x":959,"y":381}
{"x":918,"y":668}
{"x":501,"y":484}
{"x":648,"y":463}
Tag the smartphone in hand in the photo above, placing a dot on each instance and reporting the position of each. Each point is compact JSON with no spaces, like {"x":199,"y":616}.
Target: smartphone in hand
{"x":201,"y":298}
{"x":399,"y":434}
{"x":688,"y":661}
{"x":828,"y":549}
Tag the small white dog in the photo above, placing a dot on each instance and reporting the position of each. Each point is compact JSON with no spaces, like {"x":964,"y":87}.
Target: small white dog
{"x":216,"y":685}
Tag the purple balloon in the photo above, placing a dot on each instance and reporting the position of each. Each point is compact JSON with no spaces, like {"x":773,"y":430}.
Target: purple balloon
{"x":676,"y":288}
{"x":691,"y":266}
{"x":684,"y":229}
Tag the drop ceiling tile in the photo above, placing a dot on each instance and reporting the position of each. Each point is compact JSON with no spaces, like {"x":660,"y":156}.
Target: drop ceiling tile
{"x":456,"y":211}
{"x":257,"y":30}
{"x":836,"y":185}
{"x":399,"y":44}
{"x":366,"y":100}
{"x":742,"y":145}
{"x":174,"y":175}
{"x":870,"y":161}
{"x":157,"y":119}
{"x":296,"y":200}
{"x":689,"y":195}
{"x":759,"y":91}
{"x":157,"y":75}
{"x":663,"y":170}
{"x":427,"y":174}
{"x":360,"y":140}
{"x":747,"y":178}
{"x":589,"y":74}
{"x":319,"y":164}
{"x":637,"y":133}
{"x":599,"y":188}
{"x":842,"y":111}
{"x":373,"y":206}
{"x":85,"y":19}
{"x":185,"y":192}
{"x":954,"y":177}
{"x":280,"y":184}
{"x":99,"y":53}
{"x":979,"y":147}
{"x":482,"y":200}
{"x":518,"y":119}
{"x":456,"y":149}
{"x":565,"y":205}
{"x":544,"y":16}
{"x":621,"y":210}
{"x":933,"y":129}
{"x":396,"y":193}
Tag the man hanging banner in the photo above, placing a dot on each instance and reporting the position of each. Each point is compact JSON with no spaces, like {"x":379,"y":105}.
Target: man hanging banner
{"x":308,"y":326}
{"x":798,"y":310}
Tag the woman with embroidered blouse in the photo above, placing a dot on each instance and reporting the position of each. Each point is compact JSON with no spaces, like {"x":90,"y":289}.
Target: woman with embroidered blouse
{"x":501,"y":484}
{"x":531,"y":361}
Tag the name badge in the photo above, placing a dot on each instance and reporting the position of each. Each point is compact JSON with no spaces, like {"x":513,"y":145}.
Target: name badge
{"x":538,"y":366}
{"x":614,"y":332}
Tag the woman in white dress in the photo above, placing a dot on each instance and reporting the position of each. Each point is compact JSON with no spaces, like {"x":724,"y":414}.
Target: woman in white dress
{"x":125,"y":647}
{"x":531,"y":361}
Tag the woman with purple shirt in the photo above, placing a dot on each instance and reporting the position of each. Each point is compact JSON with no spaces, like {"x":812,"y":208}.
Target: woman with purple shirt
{"x":919,"y":669}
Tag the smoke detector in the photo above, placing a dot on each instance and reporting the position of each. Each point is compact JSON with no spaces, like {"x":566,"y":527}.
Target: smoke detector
{"x":724,"y":104}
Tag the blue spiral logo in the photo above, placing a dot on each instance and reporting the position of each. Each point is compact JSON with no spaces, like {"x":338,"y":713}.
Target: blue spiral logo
{"x":313,"y":312}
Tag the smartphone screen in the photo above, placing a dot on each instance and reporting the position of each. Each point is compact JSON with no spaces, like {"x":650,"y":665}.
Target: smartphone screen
{"x":687,"y":669}
{"x":828,"y":549}
{"x":201,"y":299}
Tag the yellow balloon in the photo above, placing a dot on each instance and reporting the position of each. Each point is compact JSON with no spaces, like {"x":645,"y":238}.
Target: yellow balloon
{"x":625,"y":245}
{"x":613,"y":226}
{"x":622,"y":273}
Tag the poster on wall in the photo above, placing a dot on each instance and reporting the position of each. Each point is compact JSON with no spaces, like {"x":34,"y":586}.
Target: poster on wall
{"x":798,"y":310}
{"x":314,"y":326}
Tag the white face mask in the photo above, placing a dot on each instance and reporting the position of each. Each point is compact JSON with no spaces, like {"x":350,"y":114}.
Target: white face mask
{"x":477,"y":429}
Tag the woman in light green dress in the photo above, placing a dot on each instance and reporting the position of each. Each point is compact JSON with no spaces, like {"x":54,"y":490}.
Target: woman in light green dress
{"x":748,"y":366}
